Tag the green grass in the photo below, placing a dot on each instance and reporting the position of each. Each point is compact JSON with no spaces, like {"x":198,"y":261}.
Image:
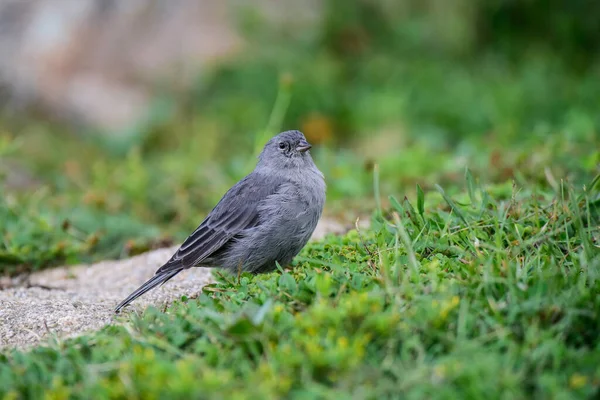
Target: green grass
{"x":470,"y":292}
{"x":471,"y":283}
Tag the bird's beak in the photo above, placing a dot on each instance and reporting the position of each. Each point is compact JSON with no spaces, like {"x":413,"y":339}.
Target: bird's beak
{"x":303,"y":146}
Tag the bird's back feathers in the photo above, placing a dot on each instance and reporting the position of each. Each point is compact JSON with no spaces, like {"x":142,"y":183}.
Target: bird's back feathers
{"x":236,"y":212}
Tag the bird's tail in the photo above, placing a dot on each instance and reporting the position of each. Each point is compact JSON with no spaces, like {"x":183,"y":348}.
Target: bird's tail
{"x":158,"y":279}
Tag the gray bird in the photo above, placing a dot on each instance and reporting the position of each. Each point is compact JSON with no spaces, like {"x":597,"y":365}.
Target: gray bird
{"x":267,"y":217}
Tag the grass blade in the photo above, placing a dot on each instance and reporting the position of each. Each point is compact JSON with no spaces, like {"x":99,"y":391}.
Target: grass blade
{"x":452,"y":205}
{"x":376,"y":190}
{"x":396,"y":204}
{"x":420,"y":200}
{"x":470,"y":186}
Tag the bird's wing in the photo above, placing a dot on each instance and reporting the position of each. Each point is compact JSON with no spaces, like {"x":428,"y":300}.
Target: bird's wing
{"x":237,"y":211}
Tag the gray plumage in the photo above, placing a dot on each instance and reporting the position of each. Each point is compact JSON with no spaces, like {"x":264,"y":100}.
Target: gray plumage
{"x":267,"y":217}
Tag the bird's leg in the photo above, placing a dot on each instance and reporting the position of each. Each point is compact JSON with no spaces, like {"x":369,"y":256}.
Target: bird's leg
{"x":239,"y":275}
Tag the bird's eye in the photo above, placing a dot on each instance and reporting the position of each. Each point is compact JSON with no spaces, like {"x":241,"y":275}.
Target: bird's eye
{"x":282,"y":145}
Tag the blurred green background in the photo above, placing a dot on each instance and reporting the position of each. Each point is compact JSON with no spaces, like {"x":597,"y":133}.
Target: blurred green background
{"x":422,"y":89}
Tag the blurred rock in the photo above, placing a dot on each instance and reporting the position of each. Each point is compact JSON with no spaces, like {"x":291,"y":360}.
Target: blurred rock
{"x":98,"y":62}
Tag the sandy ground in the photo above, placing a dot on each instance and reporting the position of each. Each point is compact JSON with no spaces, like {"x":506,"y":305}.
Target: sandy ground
{"x":68,"y":301}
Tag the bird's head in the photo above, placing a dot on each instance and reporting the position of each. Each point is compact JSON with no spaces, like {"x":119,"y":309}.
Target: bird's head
{"x":289,"y":149}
